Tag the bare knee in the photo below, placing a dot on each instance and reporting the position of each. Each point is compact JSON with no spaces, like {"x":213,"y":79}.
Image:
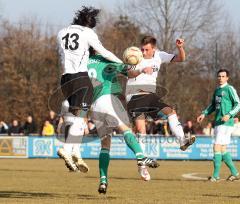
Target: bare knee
{"x":168,"y":111}
{"x":106,"y":142}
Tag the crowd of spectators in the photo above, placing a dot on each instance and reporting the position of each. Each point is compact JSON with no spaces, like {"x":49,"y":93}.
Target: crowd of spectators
{"x":29,"y":127}
{"x":153,"y":127}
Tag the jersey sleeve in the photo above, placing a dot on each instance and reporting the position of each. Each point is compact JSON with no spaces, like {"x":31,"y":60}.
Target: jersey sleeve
{"x":235,"y":101}
{"x":166,"y":57}
{"x":123,"y":69}
{"x":210,"y":108}
{"x":97,"y":45}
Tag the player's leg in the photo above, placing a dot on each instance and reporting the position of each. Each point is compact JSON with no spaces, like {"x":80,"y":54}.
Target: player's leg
{"x":104,"y":159}
{"x":226,"y":156}
{"x":77,"y":90}
{"x":227,"y":159}
{"x":65,"y":152}
{"x":123,"y":125}
{"x":140,"y":124}
{"x":219,"y":140}
{"x":217,"y":162}
{"x":118,"y":114}
{"x":176,"y":127}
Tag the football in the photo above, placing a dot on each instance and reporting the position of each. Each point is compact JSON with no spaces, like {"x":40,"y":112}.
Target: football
{"x":132,"y":55}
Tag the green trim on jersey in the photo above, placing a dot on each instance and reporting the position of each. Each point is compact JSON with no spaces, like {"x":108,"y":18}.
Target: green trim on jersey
{"x":103,"y":75}
{"x":225,"y":101}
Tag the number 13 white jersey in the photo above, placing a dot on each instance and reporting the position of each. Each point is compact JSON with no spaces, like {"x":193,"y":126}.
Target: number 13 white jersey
{"x":74,"y":42}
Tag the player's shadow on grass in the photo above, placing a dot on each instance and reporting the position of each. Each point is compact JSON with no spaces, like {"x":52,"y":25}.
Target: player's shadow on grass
{"x":33,"y":195}
{"x":152,"y":179}
{"x":223,"y":196}
{"x":27,"y":170}
{"x":158,"y":179}
{"x":22,"y":194}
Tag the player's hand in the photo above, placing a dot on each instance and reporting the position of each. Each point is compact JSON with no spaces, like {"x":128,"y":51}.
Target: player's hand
{"x":225,"y":118}
{"x":200,"y":118}
{"x":179,"y":42}
{"x":147,"y":70}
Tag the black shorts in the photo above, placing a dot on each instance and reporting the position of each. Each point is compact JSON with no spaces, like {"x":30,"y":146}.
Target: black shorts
{"x":77,"y":89}
{"x":149,"y":104}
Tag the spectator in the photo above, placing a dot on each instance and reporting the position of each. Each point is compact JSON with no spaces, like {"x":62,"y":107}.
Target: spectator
{"x":236,"y":131}
{"x":29,"y":126}
{"x":53,"y":119}
{"x":208,"y":130}
{"x":48,"y":129}
{"x":165,"y":128}
{"x":151,"y":127}
{"x":189,"y":128}
{"x":3,"y":127}
{"x":15,"y":128}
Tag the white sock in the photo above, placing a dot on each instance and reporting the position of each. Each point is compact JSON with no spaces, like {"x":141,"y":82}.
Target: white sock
{"x":76,"y":150}
{"x":68,"y":148}
{"x":176,"y":128}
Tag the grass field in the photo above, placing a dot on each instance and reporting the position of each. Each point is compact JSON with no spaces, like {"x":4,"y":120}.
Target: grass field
{"x":47,"y":181}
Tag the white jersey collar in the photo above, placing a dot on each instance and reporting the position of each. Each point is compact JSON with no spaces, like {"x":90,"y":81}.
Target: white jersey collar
{"x":223,"y":85}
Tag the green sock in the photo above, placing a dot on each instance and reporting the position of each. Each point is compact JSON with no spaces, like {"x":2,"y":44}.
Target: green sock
{"x":227,"y":158}
{"x":217,"y":161}
{"x":133,"y":144}
{"x":104,"y":159}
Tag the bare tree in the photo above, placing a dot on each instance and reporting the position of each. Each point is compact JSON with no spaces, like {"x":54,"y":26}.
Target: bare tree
{"x":168,"y":19}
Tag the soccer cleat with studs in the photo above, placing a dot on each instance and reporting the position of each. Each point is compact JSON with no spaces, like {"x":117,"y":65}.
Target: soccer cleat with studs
{"x":68,"y":160}
{"x":190,"y":140}
{"x":213,"y":179}
{"x":102,"y":189}
{"x":233,"y":178}
{"x":148,"y":162}
{"x":81,"y":165}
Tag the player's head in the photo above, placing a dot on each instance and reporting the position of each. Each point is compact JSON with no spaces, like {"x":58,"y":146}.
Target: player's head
{"x":148,"y":46}
{"x":87,"y":17}
{"x":223,"y":76}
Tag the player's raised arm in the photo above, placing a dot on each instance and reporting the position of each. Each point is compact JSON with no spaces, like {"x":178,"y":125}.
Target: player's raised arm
{"x":180,"y":57}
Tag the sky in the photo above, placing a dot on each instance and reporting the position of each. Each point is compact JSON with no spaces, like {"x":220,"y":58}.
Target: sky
{"x":60,"y":12}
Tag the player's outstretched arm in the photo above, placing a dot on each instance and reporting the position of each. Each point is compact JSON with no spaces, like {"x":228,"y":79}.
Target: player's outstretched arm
{"x":97,"y":45}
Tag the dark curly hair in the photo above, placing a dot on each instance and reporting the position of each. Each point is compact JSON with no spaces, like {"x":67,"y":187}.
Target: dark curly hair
{"x":87,"y":17}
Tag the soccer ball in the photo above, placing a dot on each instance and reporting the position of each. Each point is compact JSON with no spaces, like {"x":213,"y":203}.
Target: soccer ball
{"x":132,"y":56}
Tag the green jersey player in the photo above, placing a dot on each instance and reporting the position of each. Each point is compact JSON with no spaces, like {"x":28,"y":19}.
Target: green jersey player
{"x":108,"y":113}
{"x":225,"y":103}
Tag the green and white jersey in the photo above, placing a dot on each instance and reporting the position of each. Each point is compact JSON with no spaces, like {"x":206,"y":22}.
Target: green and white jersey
{"x":225,"y":101}
{"x":103,"y":75}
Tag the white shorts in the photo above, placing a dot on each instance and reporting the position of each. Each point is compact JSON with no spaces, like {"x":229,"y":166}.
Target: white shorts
{"x":108,"y":114}
{"x":223,"y":134}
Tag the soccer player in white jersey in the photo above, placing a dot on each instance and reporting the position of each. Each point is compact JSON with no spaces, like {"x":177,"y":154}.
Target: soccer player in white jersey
{"x":141,"y":91}
{"x":74,"y":42}
{"x":226,"y":104}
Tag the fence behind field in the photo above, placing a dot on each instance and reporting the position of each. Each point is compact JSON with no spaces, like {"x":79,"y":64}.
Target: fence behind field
{"x":158,"y":147}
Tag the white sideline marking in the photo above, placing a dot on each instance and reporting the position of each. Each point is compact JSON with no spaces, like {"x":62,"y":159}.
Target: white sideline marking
{"x":194,"y":177}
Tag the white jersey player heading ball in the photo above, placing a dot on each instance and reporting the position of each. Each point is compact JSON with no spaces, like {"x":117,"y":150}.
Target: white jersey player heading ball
{"x":141,"y":91}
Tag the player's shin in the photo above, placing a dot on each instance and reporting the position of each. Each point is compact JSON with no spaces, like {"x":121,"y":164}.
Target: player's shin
{"x":104,"y":159}
{"x":227,"y":158}
{"x":133,"y":144}
{"x":176,"y":128}
{"x":217,"y":162}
